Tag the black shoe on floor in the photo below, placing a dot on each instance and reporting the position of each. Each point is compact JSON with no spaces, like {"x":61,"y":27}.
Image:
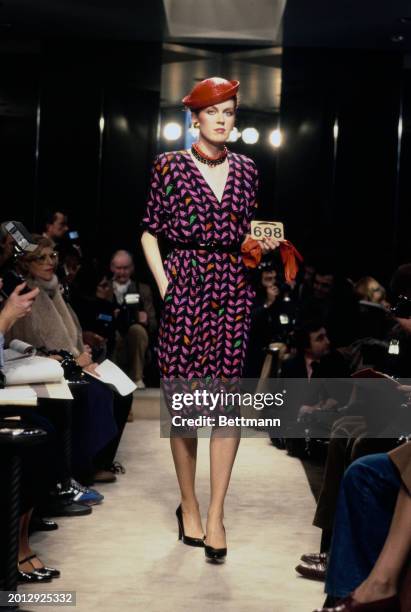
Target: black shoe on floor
{"x":65,"y":508}
{"x":38,"y":523}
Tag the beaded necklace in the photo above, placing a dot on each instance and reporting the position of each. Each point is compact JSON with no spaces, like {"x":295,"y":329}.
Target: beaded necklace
{"x":206,"y":159}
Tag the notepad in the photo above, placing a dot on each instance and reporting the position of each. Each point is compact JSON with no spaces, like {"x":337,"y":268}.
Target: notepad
{"x":111,"y":374}
{"x":18,"y":396}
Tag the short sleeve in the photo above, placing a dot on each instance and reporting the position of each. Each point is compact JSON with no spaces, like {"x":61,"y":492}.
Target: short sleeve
{"x":153,"y":219}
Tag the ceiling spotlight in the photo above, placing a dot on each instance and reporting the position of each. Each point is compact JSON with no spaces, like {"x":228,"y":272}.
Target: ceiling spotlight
{"x":406,"y":20}
{"x":397,"y":38}
{"x":276,"y":138}
{"x":234,"y":135}
{"x":172,"y":131}
{"x":250,"y":135}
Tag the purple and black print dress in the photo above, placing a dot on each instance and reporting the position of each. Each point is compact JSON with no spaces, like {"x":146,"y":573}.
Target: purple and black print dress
{"x":205,"y":319}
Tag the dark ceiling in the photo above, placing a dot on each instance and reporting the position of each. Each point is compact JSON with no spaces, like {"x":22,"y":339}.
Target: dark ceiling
{"x":325,"y":23}
{"x":373,"y":24}
{"x":121,"y":20}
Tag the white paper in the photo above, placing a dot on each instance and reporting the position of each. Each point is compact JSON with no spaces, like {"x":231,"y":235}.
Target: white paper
{"x":112,"y":375}
{"x":18,"y":350}
{"x":32,"y":370}
{"x":57,"y":390}
{"x":22,"y":396}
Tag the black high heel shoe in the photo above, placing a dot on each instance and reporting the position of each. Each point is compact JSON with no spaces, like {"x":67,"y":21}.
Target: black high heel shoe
{"x":182,"y":536}
{"x":46,"y":572}
{"x":215,"y":555}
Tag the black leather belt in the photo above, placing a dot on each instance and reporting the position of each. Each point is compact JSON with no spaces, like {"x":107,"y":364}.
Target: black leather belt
{"x":210,"y":245}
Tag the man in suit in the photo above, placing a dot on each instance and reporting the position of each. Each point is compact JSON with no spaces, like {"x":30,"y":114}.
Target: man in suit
{"x":136,"y":320}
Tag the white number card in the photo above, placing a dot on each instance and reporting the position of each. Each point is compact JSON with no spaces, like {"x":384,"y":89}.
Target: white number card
{"x":267,"y":229}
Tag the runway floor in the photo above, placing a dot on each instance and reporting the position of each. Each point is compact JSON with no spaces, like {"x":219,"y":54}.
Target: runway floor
{"x":126,"y":556}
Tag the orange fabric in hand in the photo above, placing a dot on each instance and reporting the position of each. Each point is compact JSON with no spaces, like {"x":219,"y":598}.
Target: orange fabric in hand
{"x":252,"y":252}
{"x":289,"y":256}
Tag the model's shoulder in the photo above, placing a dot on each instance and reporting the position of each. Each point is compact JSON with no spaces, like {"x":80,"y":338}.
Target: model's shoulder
{"x":168,"y":156}
{"x":244,"y":160}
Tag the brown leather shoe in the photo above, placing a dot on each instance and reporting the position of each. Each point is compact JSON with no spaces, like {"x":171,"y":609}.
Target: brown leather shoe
{"x":311,"y":558}
{"x":312,"y":571}
{"x":389,"y":604}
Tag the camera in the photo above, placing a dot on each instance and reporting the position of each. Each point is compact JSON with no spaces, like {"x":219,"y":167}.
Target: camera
{"x":131,"y":299}
{"x":10,"y":281}
{"x":22,"y":243}
{"x":402,"y":308}
{"x":128,"y":312}
{"x":23,"y":240}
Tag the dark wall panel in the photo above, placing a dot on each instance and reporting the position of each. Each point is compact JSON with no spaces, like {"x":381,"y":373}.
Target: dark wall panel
{"x":97,"y":173}
{"x":131,"y":117}
{"x":337,"y":191}
{"x":18,"y":110}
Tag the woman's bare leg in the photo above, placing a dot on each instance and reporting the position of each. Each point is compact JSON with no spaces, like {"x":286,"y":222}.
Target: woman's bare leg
{"x":25,"y":549}
{"x":184,"y":452}
{"x":383,"y":579}
{"x":24,"y":546}
{"x":223,"y":451}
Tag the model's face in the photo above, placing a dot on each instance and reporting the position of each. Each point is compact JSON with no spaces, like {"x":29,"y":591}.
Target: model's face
{"x":216,"y":122}
{"x":44,"y":264}
{"x":122,"y":269}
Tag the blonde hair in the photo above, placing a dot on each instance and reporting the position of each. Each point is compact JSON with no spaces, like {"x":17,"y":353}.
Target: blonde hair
{"x":363,"y":291}
{"x":24,"y":261}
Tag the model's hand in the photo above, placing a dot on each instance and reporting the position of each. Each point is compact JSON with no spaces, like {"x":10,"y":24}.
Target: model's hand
{"x":269,"y":244}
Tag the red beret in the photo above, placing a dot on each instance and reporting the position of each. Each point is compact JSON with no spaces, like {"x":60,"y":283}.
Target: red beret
{"x":210,"y":91}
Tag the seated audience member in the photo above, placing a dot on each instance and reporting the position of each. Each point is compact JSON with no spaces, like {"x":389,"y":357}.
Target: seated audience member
{"x":266,"y":326}
{"x":334,"y":301}
{"x":55,"y":226}
{"x":56,"y":229}
{"x":312,"y":345}
{"x":92,"y":300}
{"x":369,"y":290}
{"x":136,"y":322}
{"x":372,"y":534}
{"x":70,"y":264}
{"x":374,"y":319}
{"x":52,"y":326}
{"x":317,"y":361}
{"x":6,"y":250}
{"x":349,"y":438}
{"x":37,"y":471}
{"x":305,"y":279}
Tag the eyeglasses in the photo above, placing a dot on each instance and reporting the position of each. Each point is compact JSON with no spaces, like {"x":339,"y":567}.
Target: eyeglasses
{"x":43,"y":258}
